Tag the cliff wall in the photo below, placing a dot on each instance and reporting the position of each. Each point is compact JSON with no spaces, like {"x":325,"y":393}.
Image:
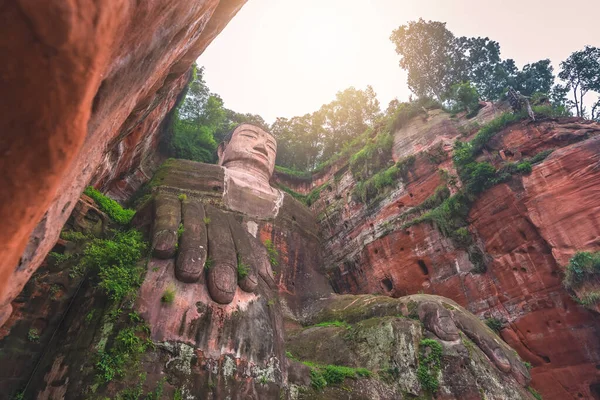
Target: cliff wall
{"x":90,"y":84}
{"x":527,"y":228}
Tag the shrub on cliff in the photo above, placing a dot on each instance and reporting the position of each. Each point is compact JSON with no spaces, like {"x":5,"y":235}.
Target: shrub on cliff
{"x":463,"y":97}
{"x":114,"y":210}
{"x":115,"y":260}
{"x":583,"y":267}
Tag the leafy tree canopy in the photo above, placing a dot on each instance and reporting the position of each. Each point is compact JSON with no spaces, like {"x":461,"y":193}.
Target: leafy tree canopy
{"x":581,"y":72}
{"x":436,"y":60}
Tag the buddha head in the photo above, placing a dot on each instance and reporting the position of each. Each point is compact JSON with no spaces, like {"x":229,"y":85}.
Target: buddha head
{"x":249,"y":148}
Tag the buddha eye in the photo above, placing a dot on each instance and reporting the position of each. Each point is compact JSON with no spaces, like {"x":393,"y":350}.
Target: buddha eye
{"x":248,"y":135}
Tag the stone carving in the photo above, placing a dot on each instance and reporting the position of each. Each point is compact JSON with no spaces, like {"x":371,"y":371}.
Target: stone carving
{"x":208,"y":239}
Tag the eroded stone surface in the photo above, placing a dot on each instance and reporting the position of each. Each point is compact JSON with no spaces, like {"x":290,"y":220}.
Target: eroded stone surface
{"x":98,"y":80}
{"x":529,"y":228}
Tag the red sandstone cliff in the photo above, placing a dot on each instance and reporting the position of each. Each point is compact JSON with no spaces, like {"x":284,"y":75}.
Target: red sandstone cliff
{"x":85,"y":87}
{"x":529,"y":227}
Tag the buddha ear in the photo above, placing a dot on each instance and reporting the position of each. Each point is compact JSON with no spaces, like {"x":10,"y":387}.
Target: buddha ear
{"x":220,"y":151}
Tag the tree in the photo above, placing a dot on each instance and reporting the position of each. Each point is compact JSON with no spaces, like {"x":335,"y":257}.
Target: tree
{"x":427,"y":50}
{"x":464,"y":97}
{"x":581,"y":72}
{"x":534,"y":78}
{"x":478,"y":61}
{"x":436,"y":60}
{"x":195,"y":121}
{"x":233,"y":119}
{"x":349,"y":115}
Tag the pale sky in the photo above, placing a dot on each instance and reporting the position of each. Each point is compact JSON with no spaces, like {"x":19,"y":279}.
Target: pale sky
{"x":282,"y":58}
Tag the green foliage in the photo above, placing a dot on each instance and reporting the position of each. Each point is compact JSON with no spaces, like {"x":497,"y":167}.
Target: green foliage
{"x":494,"y":324}
{"x":372,"y":157}
{"x":436,"y":199}
{"x":541,"y":156}
{"x":436,"y":60}
{"x":491,"y":128}
{"x":195,"y":121}
{"x":527,"y":365}
{"x":314,"y":195}
{"x":430,"y":362}
{"x":109,"y":206}
{"x":127,"y":346}
{"x":580,"y":71}
{"x":307,"y":141}
{"x":272,"y":252}
{"x":59,"y":258}
{"x":338,"y":324}
{"x":448,"y":217}
{"x":208,"y":263}
{"x":90,"y":316}
{"x":478,"y":176}
{"x":180,"y":230}
{"x":206,"y":220}
{"x":73,"y":236}
{"x":405,"y":112}
{"x":298,"y":196}
{"x":583,"y":267}
{"x":133,"y":392}
{"x":324,"y":375}
{"x":317,"y":380}
{"x":242,"y":269}
{"x":292,"y":172}
{"x":115,"y":261}
{"x":182,"y":197}
{"x":33,"y":335}
{"x":168,"y":295}
{"x":54,"y":289}
{"x":534,"y":393}
{"x":369,"y":190}
{"x":524,"y":167}
{"x":463,"y":97}
{"x":178,"y":395}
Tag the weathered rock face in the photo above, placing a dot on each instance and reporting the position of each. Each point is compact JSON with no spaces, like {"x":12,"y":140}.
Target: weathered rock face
{"x":249,"y":348}
{"x":90,"y":83}
{"x":528,"y":227}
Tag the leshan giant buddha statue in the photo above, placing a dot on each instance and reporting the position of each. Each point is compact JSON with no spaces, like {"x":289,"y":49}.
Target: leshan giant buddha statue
{"x":225,"y":328}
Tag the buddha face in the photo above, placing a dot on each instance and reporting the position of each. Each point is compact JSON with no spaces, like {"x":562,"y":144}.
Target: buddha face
{"x":252,"y":146}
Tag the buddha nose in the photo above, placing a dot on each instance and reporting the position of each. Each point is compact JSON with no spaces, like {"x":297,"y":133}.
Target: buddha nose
{"x":260,"y":146}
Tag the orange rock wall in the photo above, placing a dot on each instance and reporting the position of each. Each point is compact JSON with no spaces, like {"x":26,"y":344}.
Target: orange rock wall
{"x":85,"y":86}
{"x":529,"y":228}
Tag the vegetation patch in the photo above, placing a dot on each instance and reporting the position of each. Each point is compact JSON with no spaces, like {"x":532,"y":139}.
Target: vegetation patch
{"x":370,"y":190}
{"x":494,"y":324}
{"x":534,"y":393}
{"x":73,"y":236}
{"x":272,"y":252}
{"x":242,"y":269}
{"x":294,"y":173}
{"x":116,"y":262}
{"x":584,"y":267}
{"x":128,"y":345}
{"x":327,"y":375}
{"x":430,"y":363}
{"x":338,"y":324}
{"x":168,"y":295}
{"x":33,"y":335}
{"x":114,"y":210}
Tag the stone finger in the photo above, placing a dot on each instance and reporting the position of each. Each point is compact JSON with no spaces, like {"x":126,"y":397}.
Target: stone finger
{"x":189,"y":267}
{"x":247,"y":259}
{"x":167,"y":216}
{"x":222,"y":271}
